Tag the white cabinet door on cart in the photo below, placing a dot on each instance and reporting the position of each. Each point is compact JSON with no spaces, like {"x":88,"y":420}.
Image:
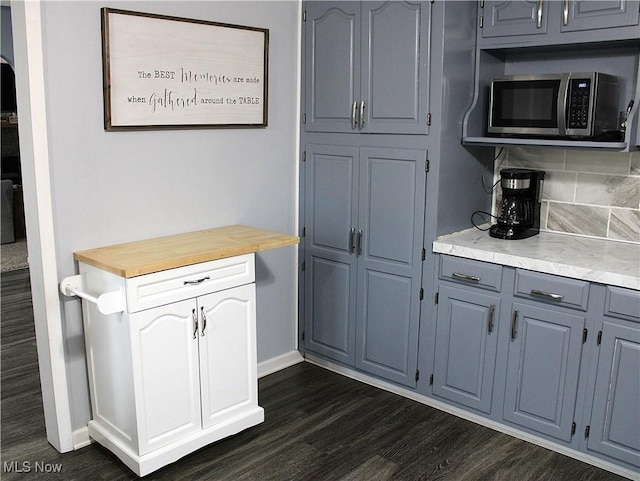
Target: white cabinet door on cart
{"x":166,"y":374}
{"x":198,"y":357}
{"x":228,"y":367}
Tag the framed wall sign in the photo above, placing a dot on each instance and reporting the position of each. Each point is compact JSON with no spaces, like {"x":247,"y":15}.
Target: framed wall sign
{"x":163,"y":72}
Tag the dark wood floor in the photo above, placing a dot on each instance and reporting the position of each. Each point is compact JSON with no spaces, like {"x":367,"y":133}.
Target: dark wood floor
{"x":319,"y":426}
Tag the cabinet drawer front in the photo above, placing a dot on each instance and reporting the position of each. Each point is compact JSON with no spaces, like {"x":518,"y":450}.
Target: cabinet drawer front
{"x":623,"y":303}
{"x":470,"y":272}
{"x":552,"y":289}
{"x":151,"y":290}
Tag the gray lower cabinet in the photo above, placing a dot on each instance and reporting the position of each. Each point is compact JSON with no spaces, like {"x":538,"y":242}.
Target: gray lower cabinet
{"x":466,"y":332}
{"x":547,"y":331}
{"x":465,"y":346}
{"x":558,"y":22}
{"x":563,"y":363}
{"x":363,"y":257}
{"x":543,"y":364}
{"x":614,"y":425}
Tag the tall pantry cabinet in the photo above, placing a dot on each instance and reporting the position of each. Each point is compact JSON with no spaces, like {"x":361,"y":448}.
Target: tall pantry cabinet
{"x":381,"y":107}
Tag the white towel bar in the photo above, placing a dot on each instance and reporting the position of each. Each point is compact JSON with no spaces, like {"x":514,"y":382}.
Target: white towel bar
{"x":108,"y":302}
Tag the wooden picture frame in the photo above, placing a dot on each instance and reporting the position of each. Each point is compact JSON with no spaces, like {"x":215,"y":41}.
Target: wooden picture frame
{"x":162,"y":72}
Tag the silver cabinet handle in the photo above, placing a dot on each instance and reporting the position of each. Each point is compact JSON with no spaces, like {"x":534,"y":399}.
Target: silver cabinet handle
{"x":565,"y":12}
{"x":514,"y":325}
{"x":195,"y":323}
{"x":465,"y":277}
{"x":352,"y":240}
{"x":204,"y":320}
{"x":548,"y":295}
{"x":361,"y":114}
{"x":492,"y":310}
{"x":354,"y":122}
{"x":359,"y":248}
{"x":193,"y":283}
{"x":539,"y":14}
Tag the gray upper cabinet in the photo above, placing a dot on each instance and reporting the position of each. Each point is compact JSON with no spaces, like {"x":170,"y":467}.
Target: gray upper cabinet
{"x":515,"y":18}
{"x":543,"y":364}
{"x":558,"y":22}
{"x":363,"y":257}
{"x":367,"y":67}
{"x":614,"y":429}
{"x":594,"y":15}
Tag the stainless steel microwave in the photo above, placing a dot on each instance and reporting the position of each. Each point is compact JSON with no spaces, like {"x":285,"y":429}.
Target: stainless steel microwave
{"x":583,"y":105}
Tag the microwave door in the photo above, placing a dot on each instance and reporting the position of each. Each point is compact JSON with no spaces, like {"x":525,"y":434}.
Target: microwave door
{"x":527,"y":106}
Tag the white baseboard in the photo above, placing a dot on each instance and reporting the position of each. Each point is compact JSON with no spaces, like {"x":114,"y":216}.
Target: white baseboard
{"x":580,"y":456}
{"x":278,"y":363}
{"x":81,"y":438}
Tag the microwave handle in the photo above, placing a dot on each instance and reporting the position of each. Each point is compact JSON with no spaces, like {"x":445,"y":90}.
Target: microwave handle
{"x":563,"y":95}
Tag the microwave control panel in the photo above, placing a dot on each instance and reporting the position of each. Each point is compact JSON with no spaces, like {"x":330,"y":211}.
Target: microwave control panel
{"x":579,"y":103}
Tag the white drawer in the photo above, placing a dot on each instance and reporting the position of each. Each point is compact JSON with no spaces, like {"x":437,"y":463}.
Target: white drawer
{"x":159,"y":288}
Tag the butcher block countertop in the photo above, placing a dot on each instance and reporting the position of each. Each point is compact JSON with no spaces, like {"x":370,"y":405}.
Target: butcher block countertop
{"x":153,"y":255}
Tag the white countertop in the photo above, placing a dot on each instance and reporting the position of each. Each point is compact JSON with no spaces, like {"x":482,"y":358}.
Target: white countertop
{"x":596,"y":260}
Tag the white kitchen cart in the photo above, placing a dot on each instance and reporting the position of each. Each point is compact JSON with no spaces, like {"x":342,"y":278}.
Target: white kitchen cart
{"x":170,"y":331}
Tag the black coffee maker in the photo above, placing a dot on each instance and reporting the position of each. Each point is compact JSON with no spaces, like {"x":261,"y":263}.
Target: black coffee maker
{"x":520,"y":210}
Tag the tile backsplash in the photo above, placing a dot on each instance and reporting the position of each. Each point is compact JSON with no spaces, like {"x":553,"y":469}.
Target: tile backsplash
{"x":587,"y":193}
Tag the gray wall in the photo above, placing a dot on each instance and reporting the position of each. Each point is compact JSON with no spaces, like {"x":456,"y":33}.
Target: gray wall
{"x":113,"y":187}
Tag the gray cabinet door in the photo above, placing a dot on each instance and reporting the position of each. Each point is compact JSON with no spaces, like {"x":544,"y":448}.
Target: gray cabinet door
{"x":390,"y":233}
{"x":465,"y":347}
{"x":395,"y":61}
{"x":366,"y":67}
{"x":551,"y":22}
{"x":515,"y":18}
{"x":542,"y":369}
{"x":615,"y":418}
{"x":331,"y":206}
{"x":332,"y":63}
{"x":592,"y":15}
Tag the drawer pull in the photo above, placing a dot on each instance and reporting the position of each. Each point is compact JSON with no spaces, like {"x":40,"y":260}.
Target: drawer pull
{"x":547,"y":295}
{"x":199,"y":281}
{"x":465,"y":277}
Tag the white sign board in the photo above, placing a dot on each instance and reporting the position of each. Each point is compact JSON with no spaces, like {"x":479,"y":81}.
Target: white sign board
{"x":168,"y":72}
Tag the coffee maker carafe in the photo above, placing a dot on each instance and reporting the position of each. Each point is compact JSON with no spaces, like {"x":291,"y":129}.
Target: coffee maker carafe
{"x":520,"y":209}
